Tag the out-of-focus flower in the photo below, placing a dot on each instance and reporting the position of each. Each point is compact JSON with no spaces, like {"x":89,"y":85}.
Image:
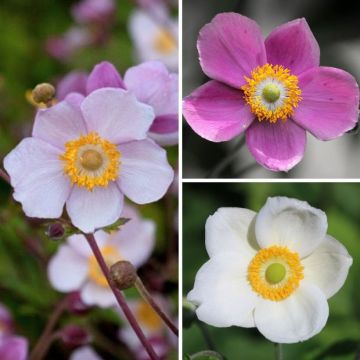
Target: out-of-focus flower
{"x":155,"y":36}
{"x":150,"y":82}
{"x":6,"y":322}
{"x":274,"y":91}
{"x":74,"y":335}
{"x":13,"y":348}
{"x":88,"y":156}
{"x":152,"y":326}
{"x":93,"y":11}
{"x":64,"y":46}
{"x":74,"y":266}
{"x":274,"y":270}
{"x":84,"y":353}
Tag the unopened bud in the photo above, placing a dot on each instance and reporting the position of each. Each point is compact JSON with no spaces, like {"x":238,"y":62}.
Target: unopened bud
{"x":75,"y":304}
{"x":74,"y":335}
{"x":123,"y":274}
{"x":56,"y":231}
{"x":43,"y":93}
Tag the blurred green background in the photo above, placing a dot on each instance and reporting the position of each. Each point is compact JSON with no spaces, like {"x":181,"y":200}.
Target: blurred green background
{"x":340,"y":339}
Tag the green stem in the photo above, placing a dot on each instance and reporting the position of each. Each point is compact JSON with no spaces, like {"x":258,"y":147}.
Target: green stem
{"x":206,"y":335}
{"x":279,"y":355}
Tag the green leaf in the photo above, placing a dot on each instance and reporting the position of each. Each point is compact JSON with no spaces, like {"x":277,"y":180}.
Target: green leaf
{"x":116,"y":225}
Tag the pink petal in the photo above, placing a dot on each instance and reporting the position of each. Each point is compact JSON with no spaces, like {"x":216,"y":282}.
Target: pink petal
{"x":36,"y":174}
{"x":330,"y":102}
{"x":116,"y":115}
{"x":104,"y":75}
{"x":294,"y":46}
{"x":67,"y":269}
{"x":90,"y":210}
{"x":168,"y":139}
{"x":145,"y":174}
{"x":13,"y":348}
{"x":165,"y":124}
{"x":74,"y":99}
{"x":59,"y":124}
{"x":230,"y":47}
{"x":217,"y":112}
{"x":73,"y":82}
{"x":93,"y":294}
{"x":162,"y":95}
{"x":277,"y":147}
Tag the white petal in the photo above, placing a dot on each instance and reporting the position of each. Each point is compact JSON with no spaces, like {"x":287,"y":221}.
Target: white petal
{"x":145,"y":174}
{"x":37,"y":176}
{"x":90,"y":210}
{"x":297,"y":318}
{"x":116,"y":115}
{"x":93,"y":294}
{"x":59,"y":124}
{"x":328,"y":266}
{"x":81,"y":246}
{"x":67,"y":269}
{"x":291,"y":223}
{"x":231,"y":230}
{"x":84,"y":353}
{"x":136,"y":239}
{"x":223,"y":293}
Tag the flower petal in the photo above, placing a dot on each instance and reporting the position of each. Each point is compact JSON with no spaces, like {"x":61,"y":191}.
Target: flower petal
{"x":104,"y":75}
{"x":230,"y":230}
{"x":59,"y":124}
{"x":297,"y":318}
{"x":230,"y":47}
{"x":90,"y":210}
{"x":84,"y":353}
{"x":330,"y":100}
{"x":328,"y":266}
{"x":277,"y":147}
{"x":13,"y":348}
{"x":223,"y":292}
{"x":36,"y":174}
{"x":93,"y":294}
{"x":162,"y":95}
{"x":80,"y":245}
{"x":74,"y":82}
{"x":291,"y":223}
{"x":217,"y":112}
{"x":136,"y":239}
{"x":294,"y":46}
{"x":116,"y":115}
{"x":145,"y":174}
{"x":67,"y":269}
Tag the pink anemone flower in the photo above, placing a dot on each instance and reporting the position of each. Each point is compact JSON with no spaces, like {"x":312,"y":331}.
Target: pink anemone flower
{"x":273,"y":90}
{"x":88,"y":153}
{"x":150,"y":82}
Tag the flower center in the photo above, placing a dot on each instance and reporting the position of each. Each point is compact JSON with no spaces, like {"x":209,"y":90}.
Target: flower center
{"x":148,"y":317}
{"x":275,"y":272}
{"x":91,"y":161}
{"x":164,"y":42}
{"x":111,"y":255}
{"x":272,"y":92}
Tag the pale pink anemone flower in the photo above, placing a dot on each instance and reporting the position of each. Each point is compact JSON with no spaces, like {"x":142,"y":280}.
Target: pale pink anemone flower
{"x":84,"y":353}
{"x":150,"y":82}
{"x":74,"y":267}
{"x":88,"y":153}
{"x":13,"y":348}
{"x":273,"y":90}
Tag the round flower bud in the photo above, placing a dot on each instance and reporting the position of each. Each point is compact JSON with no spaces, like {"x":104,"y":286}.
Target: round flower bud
{"x":75,"y":305}
{"x":123,"y":274}
{"x":74,"y":335}
{"x":55,"y":231}
{"x":43,"y":93}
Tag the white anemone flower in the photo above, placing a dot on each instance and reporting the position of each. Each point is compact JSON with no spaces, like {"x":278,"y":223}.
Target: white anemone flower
{"x":273,"y":270}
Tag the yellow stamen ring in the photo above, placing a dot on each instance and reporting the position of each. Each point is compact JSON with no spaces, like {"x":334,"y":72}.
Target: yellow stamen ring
{"x":272,"y":92}
{"x":91,"y":161}
{"x":275,"y":272}
{"x":111,"y":256}
{"x":164,"y":42}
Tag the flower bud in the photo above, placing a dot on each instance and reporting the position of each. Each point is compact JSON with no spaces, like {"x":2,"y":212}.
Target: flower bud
{"x":75,"y":305}
{"x":43,"y":93}
{"x":123,"y":274}
{"x":55,"y":231}
{"x":74,"y":335}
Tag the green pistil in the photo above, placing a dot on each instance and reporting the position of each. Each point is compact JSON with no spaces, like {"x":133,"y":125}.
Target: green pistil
{"x":271,"y":93}
{"x":275,"y":273}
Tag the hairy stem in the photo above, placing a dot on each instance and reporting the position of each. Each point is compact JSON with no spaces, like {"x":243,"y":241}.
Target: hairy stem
{"x":45,"y":340}
{"x":120,"y":298}
{"x":4,"y":176}
{"x":279,"y":355}
{"x":148,"y":298}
